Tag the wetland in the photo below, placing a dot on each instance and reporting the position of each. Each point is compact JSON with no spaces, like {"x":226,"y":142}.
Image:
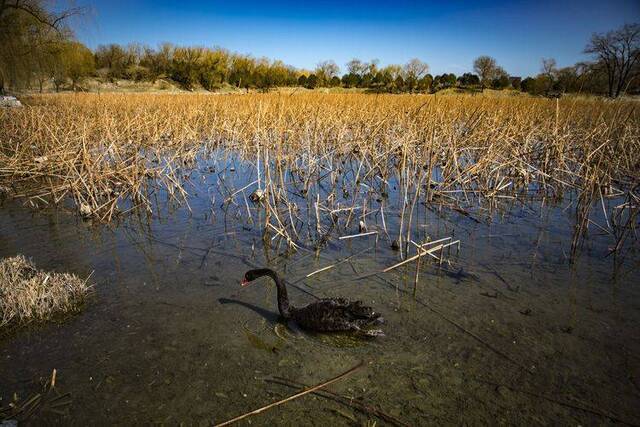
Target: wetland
{"x":497,"y":236}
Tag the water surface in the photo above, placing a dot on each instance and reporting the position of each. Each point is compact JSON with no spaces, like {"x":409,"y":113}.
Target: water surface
{"x":507,"y":330}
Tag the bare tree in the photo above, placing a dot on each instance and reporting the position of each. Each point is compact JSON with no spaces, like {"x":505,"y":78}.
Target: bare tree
{"x":356,"y":66}
{"x":618,"y":52}
{"x":548,"y":67}
{"x":372,"y":66}
{"x":415,"y":69}
{"x":549,"y":70}
{"x":110,"y":56}
{"x":485,"y":67}
{"x":326,"y":70}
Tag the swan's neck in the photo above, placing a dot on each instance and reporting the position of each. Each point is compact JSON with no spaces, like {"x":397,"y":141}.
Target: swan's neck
{"x":283,"y":298}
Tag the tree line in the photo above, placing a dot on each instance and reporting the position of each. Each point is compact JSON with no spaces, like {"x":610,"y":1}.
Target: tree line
{"x":37,"y":50}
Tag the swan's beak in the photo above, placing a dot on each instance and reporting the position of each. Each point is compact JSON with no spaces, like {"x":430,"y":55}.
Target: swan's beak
{"x":244,"y":282}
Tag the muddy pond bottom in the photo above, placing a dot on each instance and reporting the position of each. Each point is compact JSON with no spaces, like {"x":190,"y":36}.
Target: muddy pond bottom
{"x":505,"y":331}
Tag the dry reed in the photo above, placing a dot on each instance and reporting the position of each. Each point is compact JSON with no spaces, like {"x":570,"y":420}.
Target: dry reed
{"x":28,"y":294}
{"x":109,"y":152}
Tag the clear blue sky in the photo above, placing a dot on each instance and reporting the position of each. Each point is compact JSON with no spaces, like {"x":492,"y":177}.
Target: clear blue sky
{"x":447,"y":34}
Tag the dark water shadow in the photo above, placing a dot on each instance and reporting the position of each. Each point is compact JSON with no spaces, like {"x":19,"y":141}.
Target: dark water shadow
{"x":270,"y":316}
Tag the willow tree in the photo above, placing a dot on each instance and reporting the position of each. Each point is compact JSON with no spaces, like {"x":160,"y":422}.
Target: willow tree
{"x":28,"y":30}
{"x":78,"y":62}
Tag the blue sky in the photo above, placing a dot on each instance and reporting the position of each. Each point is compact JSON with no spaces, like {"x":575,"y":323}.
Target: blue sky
{"x":447,"y":34}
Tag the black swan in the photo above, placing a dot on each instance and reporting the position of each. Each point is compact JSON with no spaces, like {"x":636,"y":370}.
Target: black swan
{"x":325,"y":315}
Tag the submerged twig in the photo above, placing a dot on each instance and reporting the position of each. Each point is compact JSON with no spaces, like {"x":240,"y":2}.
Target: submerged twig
{"x":350,"y":402}
{"x":294,"y":396}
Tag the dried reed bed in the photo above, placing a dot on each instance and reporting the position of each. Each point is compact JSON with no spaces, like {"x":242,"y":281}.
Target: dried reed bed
{"x":108,"y":152}
{"x":28,"y":294}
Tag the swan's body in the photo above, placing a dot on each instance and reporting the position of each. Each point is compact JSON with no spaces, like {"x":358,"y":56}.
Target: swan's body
{"x":325,"y":315}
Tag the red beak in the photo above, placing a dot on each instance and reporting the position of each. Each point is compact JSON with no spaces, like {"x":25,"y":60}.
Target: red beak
{"x":244,"y":282}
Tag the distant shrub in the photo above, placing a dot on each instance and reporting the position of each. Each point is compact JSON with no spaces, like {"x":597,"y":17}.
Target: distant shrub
{"x":210,"y":81}
{"x":137,"y":73}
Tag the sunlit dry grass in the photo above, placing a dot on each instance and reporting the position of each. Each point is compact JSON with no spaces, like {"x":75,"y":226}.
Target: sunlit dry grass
{"x":101,"y":150}
{"x":28,"y":294}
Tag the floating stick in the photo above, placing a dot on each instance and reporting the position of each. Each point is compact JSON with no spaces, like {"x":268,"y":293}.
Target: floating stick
{"x":292,"y":397}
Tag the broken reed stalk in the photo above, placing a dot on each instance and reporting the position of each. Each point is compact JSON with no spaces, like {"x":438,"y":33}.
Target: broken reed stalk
{"x":111,"y":153}
{"x":48,"y":400}
{"x":329,"y":267}
{"x":294,"y":396}
{"x":416,"y":277}
{"x":369,"y":233}
{"x":350,"y":402}
{"x":422,"y":252}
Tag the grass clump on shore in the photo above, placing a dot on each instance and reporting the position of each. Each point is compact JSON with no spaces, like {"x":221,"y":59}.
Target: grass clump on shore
{"x":28,"y":294}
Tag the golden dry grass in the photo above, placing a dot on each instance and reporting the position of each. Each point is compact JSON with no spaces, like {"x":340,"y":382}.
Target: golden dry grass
{"x":28,"y":294}
{"x":103,"y":149}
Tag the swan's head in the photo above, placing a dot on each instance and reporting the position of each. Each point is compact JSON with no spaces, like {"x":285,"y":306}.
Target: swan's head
{"x":252,"y":275}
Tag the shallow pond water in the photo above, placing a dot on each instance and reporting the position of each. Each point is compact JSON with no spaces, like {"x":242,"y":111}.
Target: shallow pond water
{"x":506,"y":331}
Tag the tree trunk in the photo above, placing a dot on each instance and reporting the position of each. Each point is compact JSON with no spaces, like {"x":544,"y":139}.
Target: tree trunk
{"x":624,"y":79}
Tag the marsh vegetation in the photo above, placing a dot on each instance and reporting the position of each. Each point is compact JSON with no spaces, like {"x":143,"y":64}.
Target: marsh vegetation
{"x":28,"y":294}
{"x":108,"y":154}
{"x":492,"y":220}
{"x":497,"y":235}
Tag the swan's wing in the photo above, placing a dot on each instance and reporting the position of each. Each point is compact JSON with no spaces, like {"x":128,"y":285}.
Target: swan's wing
{"x":354,"y":309}
{"x":334,"y":314}
{"x":325,"y":315}
{"x":361,"y":311}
